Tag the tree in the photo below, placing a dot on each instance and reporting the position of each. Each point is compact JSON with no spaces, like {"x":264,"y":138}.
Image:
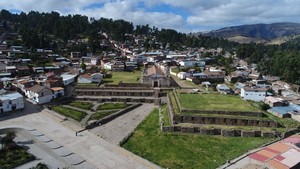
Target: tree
{"x":7,"y":142}
{"x":83,"y":65}
{"x":264,"y":107}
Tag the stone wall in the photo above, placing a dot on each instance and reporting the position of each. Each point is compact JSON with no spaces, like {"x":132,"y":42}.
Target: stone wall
{"x":233,"y":113}
{"x":112,"y":116}
{"x":223,"y":121}
{"x":221,"y":132}
{"x":116,"y":99}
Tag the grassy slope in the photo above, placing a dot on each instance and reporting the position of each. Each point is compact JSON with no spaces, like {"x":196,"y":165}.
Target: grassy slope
{"x":82,"y":105}
{"x":214,"y":102}
{"x":74,"y":114}
{"x":126,"y":77}
{"x":172,"y":150}
{"x":100,"y":115}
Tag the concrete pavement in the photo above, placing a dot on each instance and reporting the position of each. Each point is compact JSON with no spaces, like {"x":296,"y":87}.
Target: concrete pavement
{"x":118,"y":129}
{"x":86,"y":145}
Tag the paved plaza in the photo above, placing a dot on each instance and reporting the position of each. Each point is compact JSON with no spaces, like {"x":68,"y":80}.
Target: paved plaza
{"x":86,"y":146}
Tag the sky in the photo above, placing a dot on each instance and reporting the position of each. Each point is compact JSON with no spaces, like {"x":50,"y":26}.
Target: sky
{"x":182,"y":15}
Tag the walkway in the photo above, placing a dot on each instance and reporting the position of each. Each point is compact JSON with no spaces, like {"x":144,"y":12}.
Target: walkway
{"x":92,"y":149}
{"x":118,"y":129}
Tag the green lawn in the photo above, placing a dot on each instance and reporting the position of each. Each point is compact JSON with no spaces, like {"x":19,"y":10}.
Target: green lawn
{"x":74,"y":114}
{"x":100,"y":115}
{"x":126,"y":77}
{"x":82,"y":105}
{"x":215,"y":102}
{"x":171,"y":150}
{"x":15,"y":157}
{"x":112,"y":106}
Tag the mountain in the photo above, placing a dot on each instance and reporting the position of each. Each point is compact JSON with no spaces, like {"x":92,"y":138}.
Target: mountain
{"x":257,"y":32}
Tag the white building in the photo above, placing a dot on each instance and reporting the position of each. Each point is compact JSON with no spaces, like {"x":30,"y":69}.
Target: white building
{"x":183,"y":75}
{"x":58,"y":92}
{"x":68,"y":78}
{"x":254,"y":94}
{"x":39,"y":94}
{"x":90,"y":78}
{"x":95,"y":60}
{"x":10,"y":102}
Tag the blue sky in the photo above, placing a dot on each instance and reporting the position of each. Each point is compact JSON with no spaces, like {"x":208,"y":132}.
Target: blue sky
{"x":181,"y":15}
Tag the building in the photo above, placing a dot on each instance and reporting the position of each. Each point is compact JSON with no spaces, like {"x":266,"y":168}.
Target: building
{"x":223,"y":88}
{"x":183,"y":75}
{"x":155,"y":77}
{"x":68,"y":78}
{"x":274,"y":102}
{"x":254,"y":94}
{"x":280,"y":155}
{"x":39,"y":94}
{"x":58,"y":92}
{"x":10,"y":102}
{"x":90,"y":78}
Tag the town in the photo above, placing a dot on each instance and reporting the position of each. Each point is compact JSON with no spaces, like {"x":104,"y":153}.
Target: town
{"x":138,"y":101}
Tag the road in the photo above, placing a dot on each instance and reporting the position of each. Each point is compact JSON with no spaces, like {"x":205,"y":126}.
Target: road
{"x":86,"y":145}
{"x":118,"y":129}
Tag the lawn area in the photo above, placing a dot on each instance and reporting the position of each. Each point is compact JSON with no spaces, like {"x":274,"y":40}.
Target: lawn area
{"x":171,"y":150}
{"x":82,"y":105}
{"x":15,"y":157}
{"x":165,"y":115}
{"x":74,"y":114}
{"x":112,"y":106}
{"x":126,"y":77}
{"x":100,"y":115}
{"x":215,"y":102}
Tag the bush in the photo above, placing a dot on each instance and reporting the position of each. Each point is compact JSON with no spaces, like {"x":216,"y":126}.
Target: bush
{"x":264,"y":106}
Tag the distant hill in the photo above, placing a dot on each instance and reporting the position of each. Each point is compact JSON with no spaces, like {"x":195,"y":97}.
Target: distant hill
{"x":259,"y":33}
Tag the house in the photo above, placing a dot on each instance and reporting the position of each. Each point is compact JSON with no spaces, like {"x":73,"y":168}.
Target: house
{"x":58,"y":92}
{"x":68,"y":78}
{"x":254,"y":94}
{"x":90,"y":78}
{"x":23,"y":71}
{"x":183,"y":75}
{"x":11,"y":69}
{"x":10,"y":102}
{"x":95,"y":60}
{"x":155,"y":77}
{"x":285,"y":111}
{"x":187,"y":63}
{"x":283,"y":154}
{"x":274,"y":102}
{"x":39,"y":94}
{"x":222,"y":88}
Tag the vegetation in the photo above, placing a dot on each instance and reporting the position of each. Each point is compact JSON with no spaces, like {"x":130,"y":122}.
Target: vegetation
{"x":82,"y":105}
{"x":214,"y":102}
{"x":127,"y":77}
{"x":171,"y":150}
{"x":175,"y":106}
{"x":101,"y":114}
{"x":74,"y":114}
{"x":12,"y":155}
{"x":112,"y":106}
{"x":40,"y":166}
{"x":166,"y":119}
{"x":288,"y":123}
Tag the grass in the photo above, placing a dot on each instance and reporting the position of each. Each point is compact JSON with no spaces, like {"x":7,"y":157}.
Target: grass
{"x":288,"y":123}
{"x":174,"y":103}
{"x":215,"y":102}
{"x":126,"y":77}
{"x":74,"y":114}
{"x":112,"y":106}
{"x":100,"y":115}
{"x":82,"y":105}
{"x":15,"y":157}
{"x":177,"y":150}
{"x":165,"y":115}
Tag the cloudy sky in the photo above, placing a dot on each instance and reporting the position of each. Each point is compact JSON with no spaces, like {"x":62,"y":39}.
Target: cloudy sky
{"x":181,"y":15}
